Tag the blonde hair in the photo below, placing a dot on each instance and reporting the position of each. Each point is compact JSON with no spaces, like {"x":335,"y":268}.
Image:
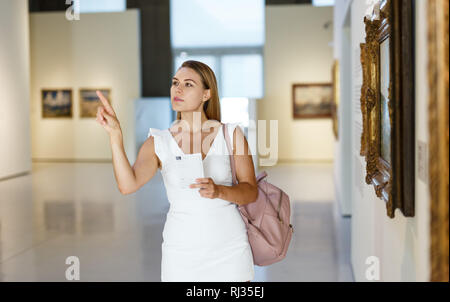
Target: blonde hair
{"x":212,"y":106}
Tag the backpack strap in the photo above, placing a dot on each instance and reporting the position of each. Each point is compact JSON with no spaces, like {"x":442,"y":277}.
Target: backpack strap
{"x":227,"y":139}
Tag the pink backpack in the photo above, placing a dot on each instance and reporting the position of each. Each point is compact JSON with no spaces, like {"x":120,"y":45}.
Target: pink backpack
{"x":267,"y":219}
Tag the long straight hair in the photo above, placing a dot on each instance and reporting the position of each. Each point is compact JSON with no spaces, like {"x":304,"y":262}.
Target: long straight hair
{"x":212,"y":106}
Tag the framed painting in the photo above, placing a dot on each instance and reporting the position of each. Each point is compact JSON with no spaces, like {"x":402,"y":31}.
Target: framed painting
{"x":437,"y":15}
{"x":56,"y":103}
{"x":388,"y":106}
{"x":335,"y":103}
{"x":312,"y":100}
{"x":89,"y":101}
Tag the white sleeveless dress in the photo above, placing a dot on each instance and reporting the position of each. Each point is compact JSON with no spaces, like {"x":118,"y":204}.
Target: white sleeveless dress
{"x":204,"y":239}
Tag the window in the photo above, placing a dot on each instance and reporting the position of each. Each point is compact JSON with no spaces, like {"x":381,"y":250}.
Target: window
{"x":208,"y":60}
{"x":216,"y":23}
{"x":238,"y":75}
{"x":323,"y":2}
{"x":234,"y":110}
{"x":228,"y":36}
{"x":97,"y":6}
{"x":242,"y":75}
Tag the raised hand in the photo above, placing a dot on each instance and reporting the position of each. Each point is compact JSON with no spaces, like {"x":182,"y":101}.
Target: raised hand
{"x":106,"y":116}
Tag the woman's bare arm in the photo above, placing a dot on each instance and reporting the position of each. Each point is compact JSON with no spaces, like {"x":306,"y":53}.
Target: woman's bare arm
{"x":246,"y":191}
{"x":146,"y":164}
{"x":129,"y":179}
{"x":123,"y":172}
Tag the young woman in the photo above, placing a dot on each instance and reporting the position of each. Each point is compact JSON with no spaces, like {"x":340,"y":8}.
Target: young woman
{"x":204,"y":237}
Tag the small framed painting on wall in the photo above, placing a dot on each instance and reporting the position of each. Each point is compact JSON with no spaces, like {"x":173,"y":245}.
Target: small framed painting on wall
{"x":312,"y":100}
{"x":89,"y":101}
{"x":56,"y":103}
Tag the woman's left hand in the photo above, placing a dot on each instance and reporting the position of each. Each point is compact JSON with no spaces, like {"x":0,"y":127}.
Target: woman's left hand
{"x":207,"y":187}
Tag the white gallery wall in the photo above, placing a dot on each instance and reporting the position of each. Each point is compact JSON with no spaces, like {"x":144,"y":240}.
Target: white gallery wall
{"x":15,"y":148}
{"x":101,"y":50}
{"x":342,"y":155}
{"x":297,"y":50}
{"x":402,"y":243}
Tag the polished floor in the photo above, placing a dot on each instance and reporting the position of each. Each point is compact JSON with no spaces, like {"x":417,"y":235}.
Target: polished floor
{"x":75,"y":209}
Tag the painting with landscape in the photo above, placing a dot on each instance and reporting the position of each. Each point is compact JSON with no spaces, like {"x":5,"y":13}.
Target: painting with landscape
{"x":89,"y":101}
{"x":56,"y":103}
{"x":312,"y":100}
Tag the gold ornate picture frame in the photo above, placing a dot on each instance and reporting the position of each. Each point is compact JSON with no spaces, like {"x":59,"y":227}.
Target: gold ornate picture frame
{"x":387,"y":106}
{"x":437,"y":15}
{"x":335,"y":103}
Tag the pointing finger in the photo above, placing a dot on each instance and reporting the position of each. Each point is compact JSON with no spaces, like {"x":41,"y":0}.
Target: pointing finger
{"x":105,"y":102}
